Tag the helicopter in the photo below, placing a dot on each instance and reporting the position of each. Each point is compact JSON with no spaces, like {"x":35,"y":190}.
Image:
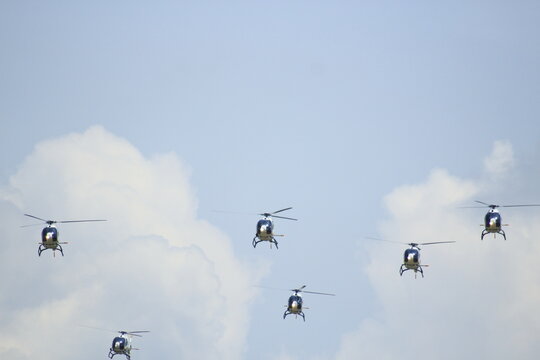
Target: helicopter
{"x":121,"y":345}
{"x":411,"y":256}
{"x":265,"y":228}
{"x":492,"y":220}
{"x":49,"y":234}
{"x":294,"y":305}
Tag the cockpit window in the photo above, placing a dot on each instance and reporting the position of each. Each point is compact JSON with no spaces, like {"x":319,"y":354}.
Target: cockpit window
{"x":52,"y":230}
{"x":296,"y":298}
{"x":49,"y":233}
{"x":494,"y":216}
{"x":263,"y":222}
{"x":119,"y":343}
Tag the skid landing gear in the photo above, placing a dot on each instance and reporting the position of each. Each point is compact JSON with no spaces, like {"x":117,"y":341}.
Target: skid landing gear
{"x":43,"y":248}
{"x":301,"y":313}
{"x":500,"y":232}
{"x":257,"y":240}
{"x":112,"y":353}
{"x":403,"y":268}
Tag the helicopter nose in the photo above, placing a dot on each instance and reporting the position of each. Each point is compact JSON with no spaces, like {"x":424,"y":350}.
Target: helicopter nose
{"x":294,"y":305}
{"x":411,"y":259}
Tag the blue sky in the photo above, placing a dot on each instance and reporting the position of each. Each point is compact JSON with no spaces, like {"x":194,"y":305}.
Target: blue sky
{"x":368,"y":118}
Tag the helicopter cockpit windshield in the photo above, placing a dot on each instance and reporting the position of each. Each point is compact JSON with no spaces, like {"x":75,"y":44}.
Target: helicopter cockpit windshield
{"x":264,"y":222}
{"x":294,"y":298}
{"x":49,"y":232}
{"x":411,"y":254}
{"x":493,"y":216}
{"x":119,"y":343}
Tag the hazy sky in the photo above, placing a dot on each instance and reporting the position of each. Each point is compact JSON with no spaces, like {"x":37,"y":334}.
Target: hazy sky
{"x":368,"y":118}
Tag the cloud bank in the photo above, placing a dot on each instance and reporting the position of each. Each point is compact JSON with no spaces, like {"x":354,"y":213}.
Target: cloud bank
{"x":152,"y":266}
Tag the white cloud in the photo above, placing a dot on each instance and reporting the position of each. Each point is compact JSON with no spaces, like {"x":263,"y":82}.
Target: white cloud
{"x":501,"y":159}
{"x":152,"y":266}
{"x":479,"y":299}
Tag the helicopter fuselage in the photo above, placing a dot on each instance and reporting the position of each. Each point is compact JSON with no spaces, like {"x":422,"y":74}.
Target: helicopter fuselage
{"x":49,"y":240}
{"x":265,"y":232}
{"x":49,"y":237}
{"x":121,"y":345}
{"x":294,"y":306}
{"x":492,"y":221}
{"x":493,"y":224}
{"x":265,"y":229}
{"x":411,"y":259}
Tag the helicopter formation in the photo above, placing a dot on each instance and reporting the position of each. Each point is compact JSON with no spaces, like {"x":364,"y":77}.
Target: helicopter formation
{"x":122,"y":345}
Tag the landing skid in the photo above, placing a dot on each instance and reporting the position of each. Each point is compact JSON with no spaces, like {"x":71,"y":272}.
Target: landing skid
{"x":112,"y":353}
{"x":272,"y":241}
{"x":301,"y":313}
{"x":403,"y":268}
{"x":43,"y":248}
{"x":500,"y":232}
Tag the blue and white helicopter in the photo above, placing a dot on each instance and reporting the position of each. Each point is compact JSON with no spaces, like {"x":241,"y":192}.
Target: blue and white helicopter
{"x":49,"y":234}
{"x":493,"y":220}
{"x":411,"y":256}
{"x":265,"y":228}
{"x":121,"y":345}
{"x":295,"y":303}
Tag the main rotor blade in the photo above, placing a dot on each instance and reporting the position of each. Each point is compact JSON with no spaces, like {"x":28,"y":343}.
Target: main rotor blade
{"x":318,"y":293}
{"x":35,"y":217}
{"x":437,"y":242}
{"x":96,"y":328}
{"x":392,"y":241}
{"x":76,"y":221}
{"x":494,"y":205}
{"x":520,"y":205}
{"x":275,"y":212}
{"x":136,"y":333}
{"x":283,"y":217}
{"x":30,"y":225}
